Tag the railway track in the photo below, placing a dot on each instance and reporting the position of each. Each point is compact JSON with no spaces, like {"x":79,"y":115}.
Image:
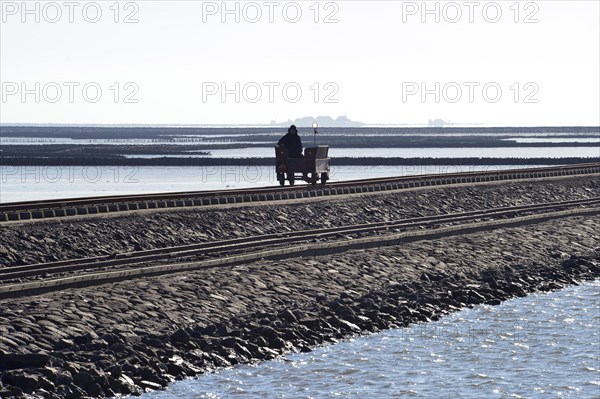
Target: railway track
{"x":33,"y":279}
{"x":112,"y":204}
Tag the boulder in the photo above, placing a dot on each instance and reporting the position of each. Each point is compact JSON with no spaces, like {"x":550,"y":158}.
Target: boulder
{"x":288,"y":316}
{"x":64,"y":343}
{"x":28,"y":382}
{"x":83,"y":379}
{"x":180,"y":336}
{"x":9,"y":361}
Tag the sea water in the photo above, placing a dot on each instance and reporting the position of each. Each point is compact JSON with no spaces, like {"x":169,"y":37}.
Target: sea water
{"x":546,"y":345}
{"x":25,"y":183}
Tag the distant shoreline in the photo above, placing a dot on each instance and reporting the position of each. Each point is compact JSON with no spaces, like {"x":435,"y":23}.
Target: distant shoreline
{"x":162,"y":146}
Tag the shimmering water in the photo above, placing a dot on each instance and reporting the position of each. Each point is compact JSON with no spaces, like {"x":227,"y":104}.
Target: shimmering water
{"x":541,"y":346}
{"x":23,"y":183}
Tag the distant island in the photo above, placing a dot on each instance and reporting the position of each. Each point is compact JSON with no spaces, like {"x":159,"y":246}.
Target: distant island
{"x":323,"y":121}
{"x":343,"y":121}
{"x":439,"y":123}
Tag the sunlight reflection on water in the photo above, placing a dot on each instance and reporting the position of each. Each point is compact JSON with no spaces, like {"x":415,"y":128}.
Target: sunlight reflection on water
{"x":544,"y":345}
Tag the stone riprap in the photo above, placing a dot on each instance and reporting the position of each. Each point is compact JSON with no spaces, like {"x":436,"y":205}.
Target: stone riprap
{"x":53,"y":240}
{"x":133,"y":336}
{"x":137,"y":335}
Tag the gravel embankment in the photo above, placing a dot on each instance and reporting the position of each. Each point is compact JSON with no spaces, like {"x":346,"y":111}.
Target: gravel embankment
{"x":131,"y":336}
{"x":53,"y":240}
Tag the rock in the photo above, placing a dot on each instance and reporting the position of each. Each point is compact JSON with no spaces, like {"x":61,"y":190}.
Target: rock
{"x":223,"y":330}
{"x":265,"y":332}
{"x":56,"y":376}
{"x":292,"y":334}
{"x":64,"y":344}
{"x":260,"y":341}
{"x":514,"y":289}
{"x":96,"y":344}
{"x":175,"y":369}
{"x":28,"y":382}
{"x":209,"y":330}
{"x":312,"y":323}
{"x":102,"y":380}
{"x":180,"y":336}
{"x":149,"y":374}
{"x":196,"y":356}
{"x":346,"y":313}
{"x":157,"y":343}
{"x":277,"y":343}
{"x":10,"y":361}
{"x":386,"y":317}
{"x":16,"y":392}
{"x":242,"y":351}
{"x":125,"y":385}
{"x":373,"y":315}
{"x":7,"y":342}
{"x":94,"y":390}
{"x":149,"y":385}
{"x":219,"y":361}
{"x":83,"y":379}
{"x":131,"y":332}
{"x":64,"y":391}
{"x":349,"y":326}
{"x":475,"y":297}
{"x":288,"y":316}
{"x":392,"y":308}
{"x":231,"y":342}
{"x":85,"y":338}
{"x":45,"y":384}
{"x":111,"y":339}
{"x":406,"y":311}
{"x":268,"y":354}
{"x":120,"y":348}
{"x":116,"y":371}
{"x":364,"y":323}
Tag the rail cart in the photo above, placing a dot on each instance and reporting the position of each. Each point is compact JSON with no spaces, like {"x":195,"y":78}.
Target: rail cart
{"x":314,"y":166}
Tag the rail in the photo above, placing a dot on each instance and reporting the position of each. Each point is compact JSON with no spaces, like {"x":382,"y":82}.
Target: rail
{"x":37,"y":278}
{"x":110,"y":204}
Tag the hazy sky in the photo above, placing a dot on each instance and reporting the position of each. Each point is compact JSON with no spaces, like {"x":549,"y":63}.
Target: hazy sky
{"x":388,"y":62}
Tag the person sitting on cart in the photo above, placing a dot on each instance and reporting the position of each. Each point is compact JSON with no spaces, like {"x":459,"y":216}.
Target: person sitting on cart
{"x":292,"y":142}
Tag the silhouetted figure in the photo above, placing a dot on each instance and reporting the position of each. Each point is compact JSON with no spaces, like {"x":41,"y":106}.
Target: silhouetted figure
{"x":292,"y":142}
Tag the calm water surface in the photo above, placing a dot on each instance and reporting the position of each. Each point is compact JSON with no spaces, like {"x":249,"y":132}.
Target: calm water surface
{"x":23,"y":183}
{"x":541,"y":346}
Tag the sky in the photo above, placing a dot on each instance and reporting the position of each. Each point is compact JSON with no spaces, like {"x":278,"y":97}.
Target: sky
{"x":503,"y":63}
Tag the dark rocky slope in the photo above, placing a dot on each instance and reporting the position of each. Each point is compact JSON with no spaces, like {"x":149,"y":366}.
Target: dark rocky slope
{"x":131,"y":336}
